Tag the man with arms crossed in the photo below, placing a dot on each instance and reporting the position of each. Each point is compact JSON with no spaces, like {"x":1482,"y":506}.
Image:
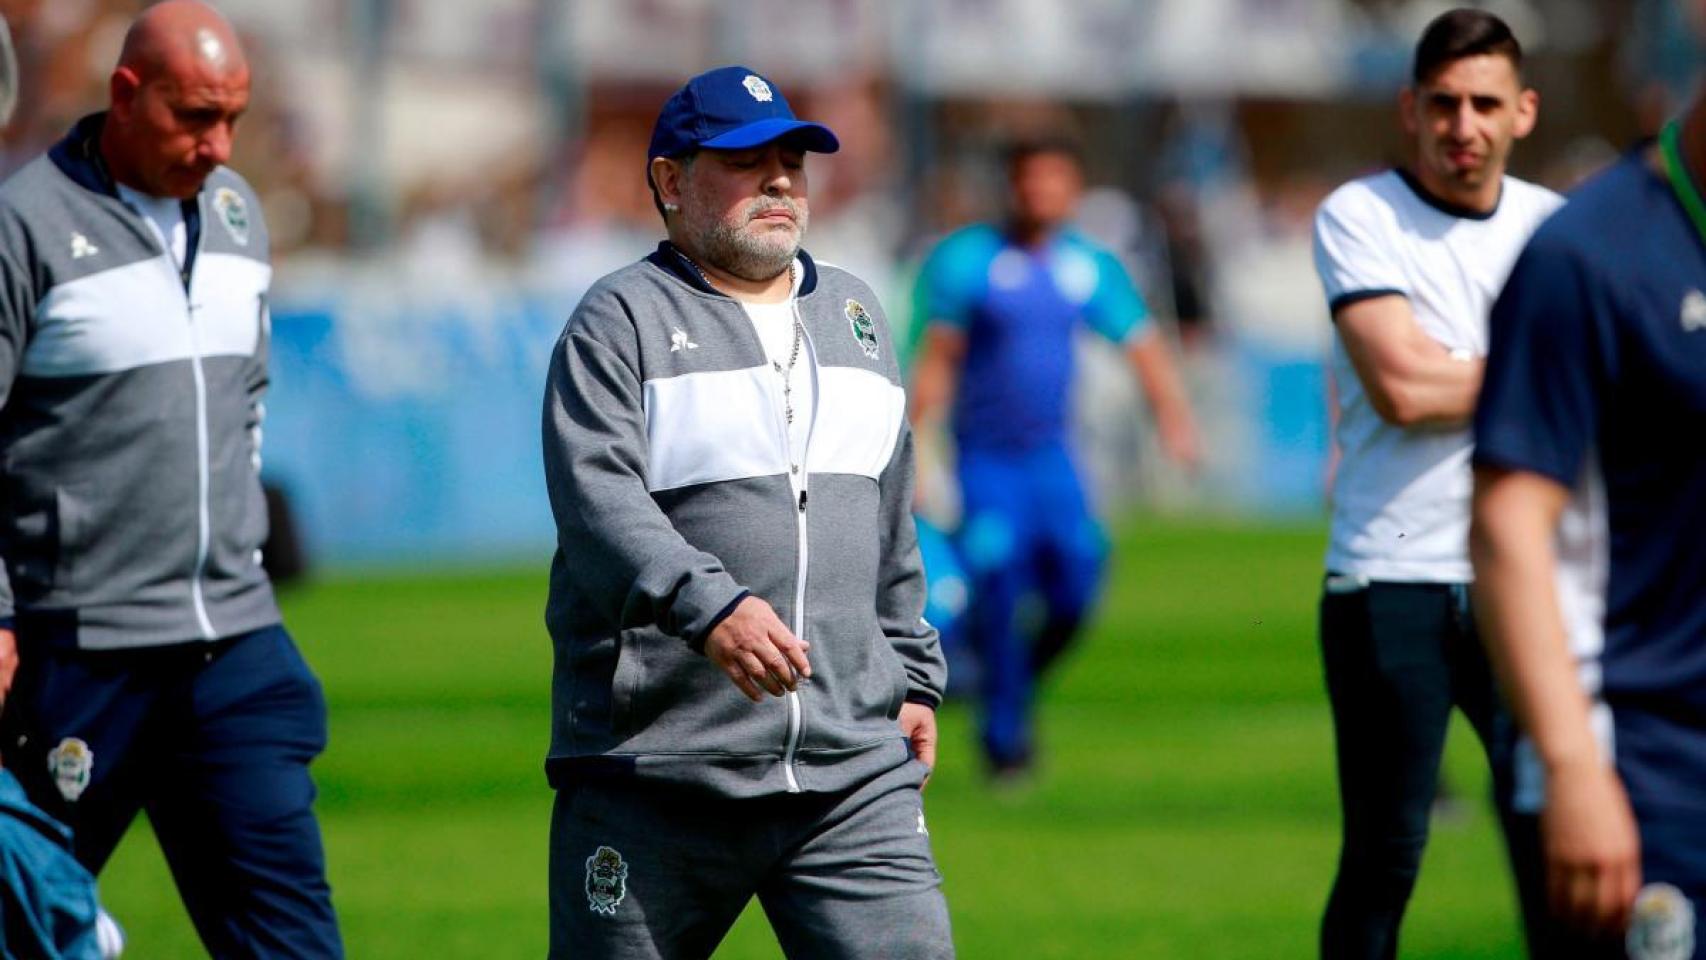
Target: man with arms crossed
{"x":152,"y":669}
{"x":1411,"y":260}
{"x":745,"y":686}
{"x":1598,"y":373}
{"x":1002,"y":303}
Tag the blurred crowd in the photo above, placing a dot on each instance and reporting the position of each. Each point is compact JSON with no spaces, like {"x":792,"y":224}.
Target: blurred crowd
{"x":448,"y":150}
{"x":378,"y":128}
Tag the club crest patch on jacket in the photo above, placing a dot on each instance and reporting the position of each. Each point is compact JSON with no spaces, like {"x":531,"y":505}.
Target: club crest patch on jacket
{"x":234,"y":213}
{"x":864,"y":328}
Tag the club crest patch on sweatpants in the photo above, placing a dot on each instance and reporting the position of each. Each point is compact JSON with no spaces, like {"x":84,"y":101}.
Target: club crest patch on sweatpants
{"x":1662,"y":925}
{"x":71,"y":763}
{"x":606,"y":881}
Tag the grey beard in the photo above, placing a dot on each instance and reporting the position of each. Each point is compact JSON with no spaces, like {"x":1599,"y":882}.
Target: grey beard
{"x":735,"y":252}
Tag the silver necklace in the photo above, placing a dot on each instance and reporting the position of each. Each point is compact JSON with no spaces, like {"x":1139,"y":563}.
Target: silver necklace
{"x":793,"y":357}
{"x":793,"y":352}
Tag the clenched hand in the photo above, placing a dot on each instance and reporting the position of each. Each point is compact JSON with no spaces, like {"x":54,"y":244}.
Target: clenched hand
{"x":1593,"y":852}
{"x":918,"y":722}
{"x":757,"y":651}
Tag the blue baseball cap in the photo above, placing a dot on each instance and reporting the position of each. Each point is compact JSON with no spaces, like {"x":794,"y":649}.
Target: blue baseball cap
{"x":731,"y":108}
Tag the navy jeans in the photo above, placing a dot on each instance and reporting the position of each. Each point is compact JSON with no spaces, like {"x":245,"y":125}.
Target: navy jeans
{"x":214,"y":741}
{"x":1398,"y":657}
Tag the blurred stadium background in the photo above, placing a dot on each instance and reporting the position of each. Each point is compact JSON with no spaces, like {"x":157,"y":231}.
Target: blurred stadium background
{"x":444,"y":178}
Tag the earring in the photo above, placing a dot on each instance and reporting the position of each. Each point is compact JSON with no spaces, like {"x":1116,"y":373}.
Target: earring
{"x":672,"y":207}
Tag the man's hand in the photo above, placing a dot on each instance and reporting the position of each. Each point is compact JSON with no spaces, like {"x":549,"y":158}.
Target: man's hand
{"x":1176,"y":427}
{"x":8,"y":661}
{"x":1593,"y":853}
{"x":757,"y":651}
{"x":918,"y":722}
{"x":1180,"y":442}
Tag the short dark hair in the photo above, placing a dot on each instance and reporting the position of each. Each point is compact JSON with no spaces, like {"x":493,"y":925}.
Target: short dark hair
{"x":1458,"y":34}
{"x":1052,"y":145}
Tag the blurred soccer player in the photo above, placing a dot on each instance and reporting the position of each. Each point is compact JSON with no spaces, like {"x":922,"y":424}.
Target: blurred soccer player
{"x":152,"y":670}
{"x":1002,"y":302}
{"x":1411,"y":260}
{"x":1598,"y":372}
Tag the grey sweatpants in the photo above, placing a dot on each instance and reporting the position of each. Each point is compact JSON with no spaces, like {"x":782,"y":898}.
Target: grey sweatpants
{"x":642,"y":870}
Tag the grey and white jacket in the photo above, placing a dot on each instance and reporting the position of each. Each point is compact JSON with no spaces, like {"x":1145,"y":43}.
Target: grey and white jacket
{"x":130,"y":498}
{"x":666,"y":455}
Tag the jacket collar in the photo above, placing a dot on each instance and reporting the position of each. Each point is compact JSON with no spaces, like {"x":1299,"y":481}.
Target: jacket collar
{"x":78,"y":156}
{"x":672,"y":261}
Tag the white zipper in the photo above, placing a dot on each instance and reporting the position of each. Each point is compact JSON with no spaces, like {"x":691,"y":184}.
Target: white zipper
{"x":183,"y":282}
{"x":204,"y":522}
{"x":796,"y":710}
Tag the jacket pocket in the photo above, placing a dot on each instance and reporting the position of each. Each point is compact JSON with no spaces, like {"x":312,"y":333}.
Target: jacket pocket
{"x":32,"y":535}
{"x":73,"y":514}
{"x":238,"y":514}
{"x":626,"y":682}
{"x":900,"y":683}
{"x":49,"y":530}
{"x":254,"y":524}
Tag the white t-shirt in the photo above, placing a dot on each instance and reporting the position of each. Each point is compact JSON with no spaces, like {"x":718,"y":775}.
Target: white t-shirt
{"x":775,"y":323}
{"x":165,"y":215}
{"x":1583,"y":552}
{"x":1401,"y":496}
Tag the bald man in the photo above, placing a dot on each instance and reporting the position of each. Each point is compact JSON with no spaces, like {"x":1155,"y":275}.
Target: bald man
{"x":146,"y":664}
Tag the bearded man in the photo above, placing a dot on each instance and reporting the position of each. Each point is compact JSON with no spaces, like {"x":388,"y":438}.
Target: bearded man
{"x":745,"y":687}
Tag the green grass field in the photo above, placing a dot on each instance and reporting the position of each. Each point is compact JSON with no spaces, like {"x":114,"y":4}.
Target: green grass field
{"x":1185,"y":809}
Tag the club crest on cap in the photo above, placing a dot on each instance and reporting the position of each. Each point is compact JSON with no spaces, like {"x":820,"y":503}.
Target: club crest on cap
{"x":756,"y":86}
{"x":71,"y":764}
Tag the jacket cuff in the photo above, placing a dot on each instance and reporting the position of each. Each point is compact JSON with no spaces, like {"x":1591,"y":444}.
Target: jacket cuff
{"x":697,"y":642}
{"x":924,"y":697}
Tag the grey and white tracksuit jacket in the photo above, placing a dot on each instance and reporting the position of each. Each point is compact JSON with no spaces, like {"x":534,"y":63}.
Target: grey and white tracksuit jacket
{"x":666,"y":454}
{"x":130,"y":497}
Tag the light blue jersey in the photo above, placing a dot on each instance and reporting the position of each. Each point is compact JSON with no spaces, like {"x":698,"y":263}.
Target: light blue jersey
{"x":1018,"y":307}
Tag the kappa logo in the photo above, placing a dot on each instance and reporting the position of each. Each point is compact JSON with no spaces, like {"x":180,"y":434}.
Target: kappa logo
{"x":234,"y":213}
{"x":756,"y":86}
{"x":81,"y":247}
{"x":1694,"y":311}
{"x":1662,"y":925}
{"x":864,"y":328}
{"x":921,"y":827}
{"x":678,"y":341}
{"x":606,"y":881}
{"x":71,"y":764}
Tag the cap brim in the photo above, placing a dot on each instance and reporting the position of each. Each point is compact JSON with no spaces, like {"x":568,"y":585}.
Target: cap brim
{"x":812,"y":136}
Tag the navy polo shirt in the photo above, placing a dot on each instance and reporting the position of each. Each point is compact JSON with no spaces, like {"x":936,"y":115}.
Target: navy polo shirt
{"x":1598,"y":357}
